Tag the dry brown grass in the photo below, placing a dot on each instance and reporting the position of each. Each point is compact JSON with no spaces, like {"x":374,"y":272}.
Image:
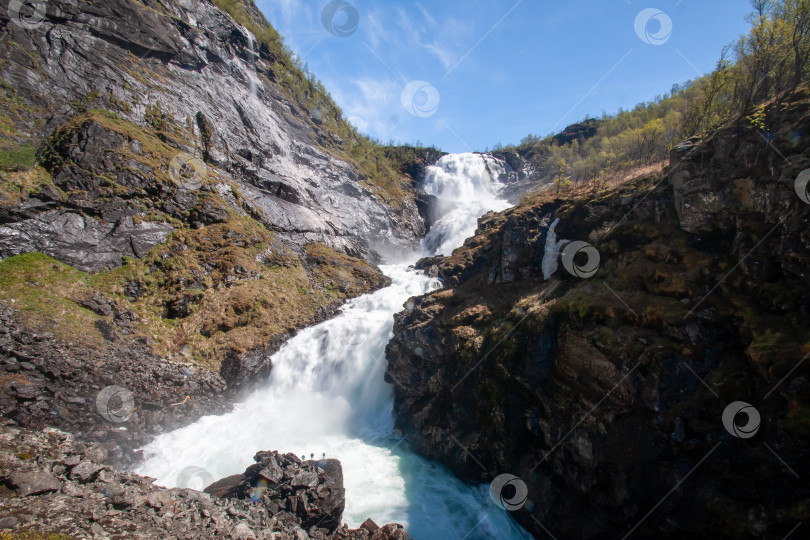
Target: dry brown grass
{"x":45,"y":293}
{"x":242,"y":304}
{"x":33,"y":535}
{"x":17,"y":185}
{"x":596,"y":188}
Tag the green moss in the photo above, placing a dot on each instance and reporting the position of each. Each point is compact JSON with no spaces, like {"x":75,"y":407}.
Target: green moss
{"x":243,"y":286}
{"x":155,"y":153}
{"x":260,"y":28}
{"x":33,"y":535}
{"x":19,"y":158}
{"x":45,"y":291}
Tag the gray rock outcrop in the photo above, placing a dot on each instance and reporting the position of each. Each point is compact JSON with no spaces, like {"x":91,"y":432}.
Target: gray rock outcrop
{"x":206,"y":86}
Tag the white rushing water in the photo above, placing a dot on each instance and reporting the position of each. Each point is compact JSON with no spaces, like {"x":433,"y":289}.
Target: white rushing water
{"x":464,"y":187}
{"x":326,"y":394}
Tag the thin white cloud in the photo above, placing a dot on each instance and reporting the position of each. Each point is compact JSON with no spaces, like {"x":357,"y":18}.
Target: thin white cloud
{"x":375,"y":29}
{"x":446,"y":56}
{"x":439,"y":37}
{"x":427,"y":16}
{"x":372,"y":105}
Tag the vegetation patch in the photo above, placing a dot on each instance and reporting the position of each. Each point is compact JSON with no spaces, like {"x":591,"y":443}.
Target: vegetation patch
{"x":226,"y":287}
{"x":154,"y":153}
{"x":46,"y":292}
{"x":600,"y":150}
{"x":33,"y":535}
{"x":18,"y":158}
{"x":16,"y":186}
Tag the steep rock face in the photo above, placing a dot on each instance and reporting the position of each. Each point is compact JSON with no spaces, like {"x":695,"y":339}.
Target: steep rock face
{"x":188,"y":71}
{"x":605,"y":396}
{"x":173,"y":154}
{"x":577,"y":132}
{"x":78,"y":219}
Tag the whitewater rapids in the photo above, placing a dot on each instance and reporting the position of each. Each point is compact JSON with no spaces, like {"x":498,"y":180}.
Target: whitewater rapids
{"x":326,"y":394}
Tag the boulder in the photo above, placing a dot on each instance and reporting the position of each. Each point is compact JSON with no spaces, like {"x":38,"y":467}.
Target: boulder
{"x":34,"y":483}
{"x":312,"y":490}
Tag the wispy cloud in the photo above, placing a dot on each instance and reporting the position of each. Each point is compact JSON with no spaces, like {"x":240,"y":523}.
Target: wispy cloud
{"x":408,"y":31}
{"x":375,"y":28}
{"x":446,"y":56}
{"x":374,"y":107}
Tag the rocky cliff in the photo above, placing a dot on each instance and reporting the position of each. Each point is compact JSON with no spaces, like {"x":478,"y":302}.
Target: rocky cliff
{"x":176,"y":153}
{"x":613,"y":397}
{"x":200,"y":83}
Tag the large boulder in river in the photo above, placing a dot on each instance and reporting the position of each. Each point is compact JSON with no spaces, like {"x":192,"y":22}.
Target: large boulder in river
{"x":312,"y":490}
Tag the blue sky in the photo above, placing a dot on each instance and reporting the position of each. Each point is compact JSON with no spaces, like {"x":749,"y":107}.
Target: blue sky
{"x":492,"y":71}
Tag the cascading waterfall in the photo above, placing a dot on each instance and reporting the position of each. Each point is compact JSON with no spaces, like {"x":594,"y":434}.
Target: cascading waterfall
{"x":326,"y":394}
{"x":465,"y":187}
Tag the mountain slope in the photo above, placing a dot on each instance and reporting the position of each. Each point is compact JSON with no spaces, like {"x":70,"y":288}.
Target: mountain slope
{"x":127,"y":126}
{"x":172,"y":209}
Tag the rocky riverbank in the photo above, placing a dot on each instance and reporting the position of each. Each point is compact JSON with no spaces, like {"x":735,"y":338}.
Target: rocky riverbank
{"x":73,"y":416}
{"x":48,"y":382}
{"x":52,"y":484}
{"x":605,"y":395}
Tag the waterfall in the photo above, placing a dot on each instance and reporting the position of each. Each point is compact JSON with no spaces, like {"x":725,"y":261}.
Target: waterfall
{"x":466,"y":187}
{"x":326,"y":394}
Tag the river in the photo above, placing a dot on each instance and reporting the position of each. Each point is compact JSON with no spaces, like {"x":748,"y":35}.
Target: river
{"x":326,"y":395}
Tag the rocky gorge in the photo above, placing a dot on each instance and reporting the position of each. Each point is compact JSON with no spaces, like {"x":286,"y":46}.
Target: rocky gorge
{"x":180,"y":200}
{"x":603,"y":395}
